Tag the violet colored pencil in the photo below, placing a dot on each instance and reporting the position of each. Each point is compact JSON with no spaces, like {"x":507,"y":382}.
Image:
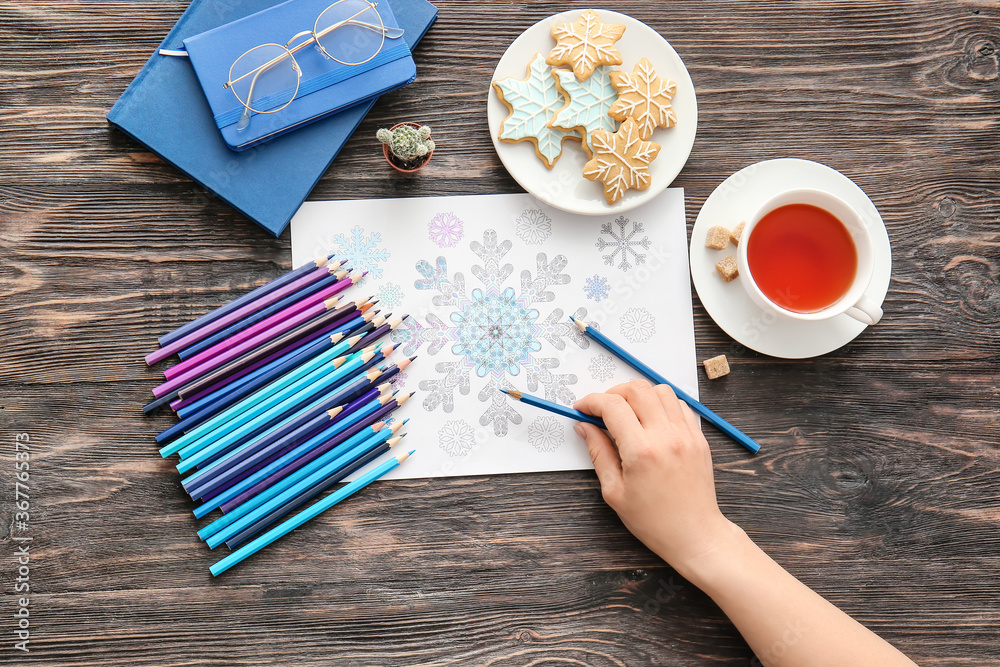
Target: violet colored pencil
{"x":222,"y":391}
{"x":314,"y":490}
{"x":272,"y":349}
{"x":245,"y":347}
{"x":381,"y":413}
{"x":239,"y":313}
{"x":225,"y":308}
{"x":265,"y":449}
{"x":322,"y":296}
{"x":332,"y":333}
{"x":378,"y":332}
{"x":249,"y":320}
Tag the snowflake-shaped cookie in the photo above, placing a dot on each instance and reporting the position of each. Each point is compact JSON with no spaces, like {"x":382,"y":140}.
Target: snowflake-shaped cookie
{"x":585,"y":44}
{"x":621,"y":160}
{"x":532,"y":103}
{"x":645,"y":97}
{"x":587,"y":104}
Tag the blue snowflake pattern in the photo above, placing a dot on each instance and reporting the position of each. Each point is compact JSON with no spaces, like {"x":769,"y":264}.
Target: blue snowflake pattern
{"x":623,"y":241}
{"x":389,"y":295}
{"x":597,"y":288}
{"x":361,"y":252}
{"x":446,"y":230}
{"x":495,"y":332}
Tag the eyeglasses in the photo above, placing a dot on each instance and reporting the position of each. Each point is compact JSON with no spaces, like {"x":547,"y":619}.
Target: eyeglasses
{"x":266,"y":78}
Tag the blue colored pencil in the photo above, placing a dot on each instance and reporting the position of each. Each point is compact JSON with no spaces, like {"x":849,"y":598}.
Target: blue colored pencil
{"x":222,"y":310}
{"x":309,"y":494}
{"x":655,"y":377}
{"x":285,"y":490}
{"x":553,"y":407}
{"x":314,"y":510}
{"x":322,"y":409}
{"x":226,"y":437}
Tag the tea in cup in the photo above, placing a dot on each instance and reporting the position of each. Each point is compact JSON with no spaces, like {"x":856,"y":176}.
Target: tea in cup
{"x":807,"y":255}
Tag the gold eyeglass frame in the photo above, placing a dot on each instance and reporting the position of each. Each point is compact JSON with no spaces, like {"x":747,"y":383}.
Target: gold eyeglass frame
{"x":289,"y":52}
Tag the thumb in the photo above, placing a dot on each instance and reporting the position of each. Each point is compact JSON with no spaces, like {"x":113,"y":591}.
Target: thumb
{"x":607,"y":463}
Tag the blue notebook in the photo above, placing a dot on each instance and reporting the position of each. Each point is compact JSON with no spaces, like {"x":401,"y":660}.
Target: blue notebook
{"x":317,"y":87}
{"x":165,"y":109}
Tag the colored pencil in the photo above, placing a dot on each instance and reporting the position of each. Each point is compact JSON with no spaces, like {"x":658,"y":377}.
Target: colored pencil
{"x":655,"y":377}
{"x":361,"y":417}
{"x":254,"y":294}
{"x":252,"y":319}
{"x":339,"y":436}
{"x":313,"y":510}
{"x":327,"y":361}
{"x":244,"y":364}
{"x":342,"y":433}
{"x":259,"y":452}
{"x":295,"y":484}
{"x":288,"y":366}
{"x":554,"y":408}
{"x":382,"y":329}
{"x":228,"y":437}
{"x":271,"y":327}
{"x":246,"y":347}
{"x":301,"y":352}
{"x":309,"y":494}
{"x":238,"y":314}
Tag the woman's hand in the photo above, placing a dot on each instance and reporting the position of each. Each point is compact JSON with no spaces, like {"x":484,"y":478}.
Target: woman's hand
{"x":657,"y":474}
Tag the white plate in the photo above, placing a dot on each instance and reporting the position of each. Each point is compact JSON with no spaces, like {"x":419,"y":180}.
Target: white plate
{"x":564,"y":186}
{"x":728,"y":304}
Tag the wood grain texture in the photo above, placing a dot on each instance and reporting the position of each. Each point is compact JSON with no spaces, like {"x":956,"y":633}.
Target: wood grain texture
{"x":877,"y":485}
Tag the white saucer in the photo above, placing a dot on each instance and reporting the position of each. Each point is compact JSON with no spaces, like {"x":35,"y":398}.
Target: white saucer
{"x":564,"y":186}
{"x":728,"y":304}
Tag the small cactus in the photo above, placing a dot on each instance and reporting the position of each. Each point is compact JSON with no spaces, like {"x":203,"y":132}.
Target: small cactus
{"x":407,"y":143}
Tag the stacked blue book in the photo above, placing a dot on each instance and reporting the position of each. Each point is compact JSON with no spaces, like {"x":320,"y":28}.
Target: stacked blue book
{"x":165,"y":109}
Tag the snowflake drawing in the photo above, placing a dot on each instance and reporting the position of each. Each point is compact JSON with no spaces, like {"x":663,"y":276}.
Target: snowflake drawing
{"x":623,"y":239}
{"x":597,"y":288}
{"x":533,"y":226}
{"x":494,"y":332}
{"x":446,"y":230}
{"x":361,"y":252}
{"x":545,"y":434}
{"x":602,"y":367}
{"x":457,"y":437}
{"x":637,"y":325}
{"x":389,"y":295}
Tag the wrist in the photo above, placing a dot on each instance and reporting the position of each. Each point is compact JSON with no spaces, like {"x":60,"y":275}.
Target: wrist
{"x":728,"y":548}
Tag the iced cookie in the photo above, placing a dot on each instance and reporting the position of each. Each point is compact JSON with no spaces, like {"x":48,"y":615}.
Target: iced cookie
{"x":644,"y":96}
{"x":532,"y":103}
{"x":587,"y":104}
{"x":585,"y":44}
{"x":621,"y":160}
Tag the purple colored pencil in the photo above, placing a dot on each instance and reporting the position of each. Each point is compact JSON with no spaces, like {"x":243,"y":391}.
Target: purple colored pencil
{"x":239,"y":313}
{"x":245,"y":347}
{"x":321,"y":297}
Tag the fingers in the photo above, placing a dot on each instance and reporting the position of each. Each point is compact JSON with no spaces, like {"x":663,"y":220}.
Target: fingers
{"x":691,"y":418}
{"x":671,"y":405}
{"x":644,"y":401}
{"x":607,"y":464}
{"x":619,"y":418}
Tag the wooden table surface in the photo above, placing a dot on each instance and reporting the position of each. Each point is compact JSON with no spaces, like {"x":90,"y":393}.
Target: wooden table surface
{"x":877,"y":483}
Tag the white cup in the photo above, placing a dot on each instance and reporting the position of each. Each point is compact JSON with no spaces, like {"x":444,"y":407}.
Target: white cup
{"x":855,"y":302}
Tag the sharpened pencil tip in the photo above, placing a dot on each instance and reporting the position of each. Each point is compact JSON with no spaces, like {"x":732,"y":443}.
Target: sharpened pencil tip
{"x":504,"y":390}
{"x":411,"y":452}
